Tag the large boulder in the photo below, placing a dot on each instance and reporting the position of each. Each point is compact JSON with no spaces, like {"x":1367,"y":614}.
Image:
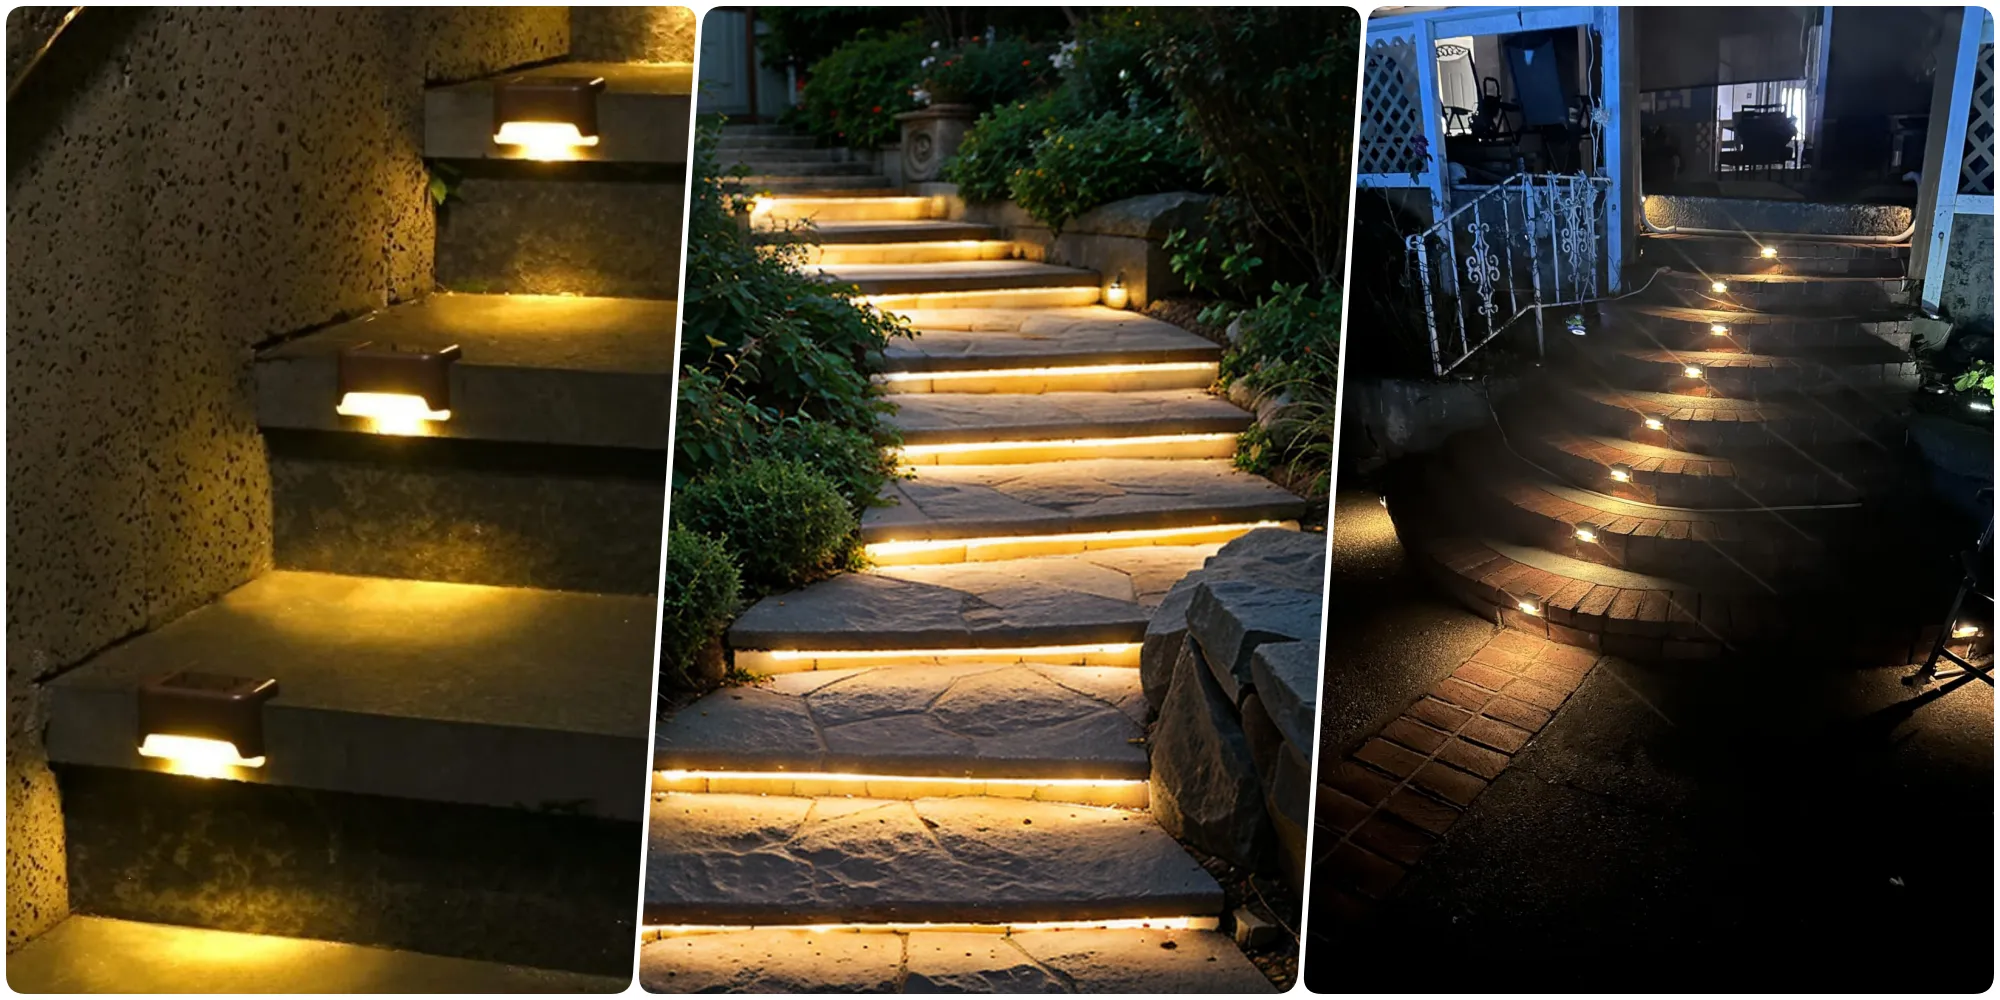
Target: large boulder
{"x":1286,"y":675}
{"x":1205,"y":788}
{"x":1268,"y":557}
{"x":1232,"y":618}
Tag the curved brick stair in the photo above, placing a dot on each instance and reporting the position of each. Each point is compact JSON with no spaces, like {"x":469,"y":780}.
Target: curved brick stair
{"x":952,"y":737}
{"x":460,"y":617}
{"x":1710,"y":471}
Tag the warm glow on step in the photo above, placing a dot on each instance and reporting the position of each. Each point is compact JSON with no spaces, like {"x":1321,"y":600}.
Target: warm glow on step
{"x":1655,"y":424}
{"x":1719,"y":287}
{"x":1768,"y":252}
{"x":1586,"y":532}
{"x":955,"y":550}
{"x":1719,"y":329}
{"x":544,"y":140}
{"x":1170,"y":374}
{"x":776,"y":661}
{"x":1114,"y":793}
{"x":396,"y":413}
{"x":196,"y":756}
{"x":1191,"y":923}
{"x":1056,"y":449}
{"x":1621,"y":473}
{"x":1691,"y":371}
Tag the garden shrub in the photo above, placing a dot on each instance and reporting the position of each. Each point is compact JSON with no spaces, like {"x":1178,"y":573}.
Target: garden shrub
{"x":1003,"y":140}
{"x":784,"y":523}
{"x":701,"y":595}
{"x":1291,"y":334}
{"x":1105,"y":66}
{"x":1103,"y":159}
{"x":982,"y":73}
{"x":852,"y":96}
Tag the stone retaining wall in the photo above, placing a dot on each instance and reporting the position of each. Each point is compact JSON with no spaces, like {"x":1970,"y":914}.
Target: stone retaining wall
{"x":1230,"y":667}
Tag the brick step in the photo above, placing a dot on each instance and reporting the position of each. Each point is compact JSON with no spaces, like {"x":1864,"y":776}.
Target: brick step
{"x":1681,"y":328}
{"x":102,"y":955}
{"x":986,"y":429}
{"x":960,"y":276}
{"x":811,"y":185}
{"x":771,"y":860}
{"x":535,"y":369}
{"x":1656,"y":618}
{"x":1797,"y":255}
{"x":643,"y":115}
{"x":1720,"y":426}
{"x":1037,"y":731}
{"x":1085,"y":609}
{"x":952,"y":340}
{"x":1147,"y":960}
{"x":837,"y":232}
{"x":932,"y":252}
{"x":835,"y":208}
{"x":1737,"y":374}
{"x":1779,"y":292}
{"x":1057,"y":507}
{"x":1629,"y":469}
{"x":509,"y":697}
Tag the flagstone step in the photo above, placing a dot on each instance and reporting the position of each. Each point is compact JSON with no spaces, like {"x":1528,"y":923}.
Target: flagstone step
{"x":1800,"y":255}
{"x":1682,"y":328}
{"x":1090,"y":599}
{"x":1087,"y":496}
{"x":541,"y":369}
{"x":829,"y":208}
{"x":643,"y":114}
{"x":954,"y":418}
{"x":1740,"y":374}
{"x":831,"y":232}
{"x":491,"y":696}
{"x":1730,"y":426}
{"x":1138,"y":961}
{"x":965,"y":721}
{"x":1781,"y":292}
{"x":941,"y":251}
{"x":984,"y":339}
{"x":771,"y":860}
{"x":86,"y":954}
{"x":960,"y":276}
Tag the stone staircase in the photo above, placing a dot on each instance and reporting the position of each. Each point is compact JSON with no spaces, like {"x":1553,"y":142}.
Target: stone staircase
{"x":460,"y":620}
{"x":945,"y":769}
{"x":780,"y":160}
{"x":1715,"y":469}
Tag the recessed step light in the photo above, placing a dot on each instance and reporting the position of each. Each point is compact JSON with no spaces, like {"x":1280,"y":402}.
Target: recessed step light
{"x":1112,"y":793}
{"x":780,"y":661}
{"x":957,"y":550}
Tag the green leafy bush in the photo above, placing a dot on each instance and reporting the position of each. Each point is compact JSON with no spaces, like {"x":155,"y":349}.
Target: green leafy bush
{"x":1105,"y":66}
{"x":1003,"y":140}
{"x":984,"y":74}
{"x":1103,"y":159}
{"x":852,"y":96}
{"x":857,"y":464}
{"x":1291,"y":334}
{"x":701,"y":595}
{"x":785,"y":524}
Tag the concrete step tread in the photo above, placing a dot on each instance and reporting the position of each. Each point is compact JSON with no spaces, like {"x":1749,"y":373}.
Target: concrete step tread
{"x":1777,"y":476}
{"x":732,"y":859}
{"x":973,"y":501}
{"x":961,"y":417}
{"x":644,"y":114}
{"x":958,"y":276}
{"x":899,"y":231}
{"x":507,"y":696}
{"x":1136,"y":961}
{"x":970,"y":720}
{"x":101,"y":955}
{"x":1813,"y":239}
{"x":975,"y":339}
{"x":1094,"y":597}
{"x":555,"y":369}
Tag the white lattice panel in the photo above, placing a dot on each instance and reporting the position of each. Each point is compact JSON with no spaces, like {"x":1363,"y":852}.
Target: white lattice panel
{"x":1975,"y":174}
{"x":1391,"y":110}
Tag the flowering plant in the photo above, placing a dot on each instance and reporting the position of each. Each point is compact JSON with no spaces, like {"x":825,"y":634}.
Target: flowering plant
{"x":980,"y":71}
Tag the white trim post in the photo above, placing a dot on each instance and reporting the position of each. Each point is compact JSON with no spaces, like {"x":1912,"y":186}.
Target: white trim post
{"x":1937,"y":192}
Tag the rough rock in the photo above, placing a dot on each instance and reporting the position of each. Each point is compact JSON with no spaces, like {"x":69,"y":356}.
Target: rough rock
{"x":1204,"y":783}
{"x":1275,"y":557}
{"x":1287,"y":797}
{"x":1287,"y":678}
{"x":1231,"y":618}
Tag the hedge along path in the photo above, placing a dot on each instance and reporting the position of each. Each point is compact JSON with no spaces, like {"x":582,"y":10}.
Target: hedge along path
{"x":948,"y":742}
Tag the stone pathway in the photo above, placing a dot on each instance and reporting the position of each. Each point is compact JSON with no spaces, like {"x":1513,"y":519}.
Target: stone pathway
{"x":955,"y":736}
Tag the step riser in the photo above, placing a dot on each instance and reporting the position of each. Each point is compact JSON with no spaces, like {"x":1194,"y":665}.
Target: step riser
{"x":1834,"y":427}
{"x":1014,"y":453}
{"x":365,"y":510}
{"x":562,"y":237}
{"x":850,"y":210}
{"x":1110,"y":794}
{"x":797,"y":163}
{"x":764,"y":661}
{"x":1747,"y":382}
{"x":938,"y":232}
{"x":1696,"y":292}
{"x":989,"y":550}
{"x":1193,"y":376}
{"x":471,"y":882}
{"x":1827,"y":260}
{"x":728,"y":155}
{"x":848,"y":185}
{"x":943,"y":251}
{"x":1016,"y":298}
{"x":1683,"y":489}
{"x":1752,"y":337}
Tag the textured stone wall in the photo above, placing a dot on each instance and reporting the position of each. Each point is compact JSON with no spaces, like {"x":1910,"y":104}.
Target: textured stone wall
{"x":182,"y":185}
{"x":1967,"y":297}
{"x":632,"y":34}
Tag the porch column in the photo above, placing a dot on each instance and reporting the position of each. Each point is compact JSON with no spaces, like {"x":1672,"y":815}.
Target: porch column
{"x":1944,"y":150}
{"x":1618,"y":45}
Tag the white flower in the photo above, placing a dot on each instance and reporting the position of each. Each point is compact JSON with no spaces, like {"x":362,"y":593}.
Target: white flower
{"x":934,"y":46}
{"x":928,"y":60}
{"x":921,"y":96}
{"x":1065,"y":56}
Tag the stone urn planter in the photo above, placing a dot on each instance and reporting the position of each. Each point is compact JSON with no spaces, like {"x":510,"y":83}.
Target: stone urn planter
{"x":930,"y":137}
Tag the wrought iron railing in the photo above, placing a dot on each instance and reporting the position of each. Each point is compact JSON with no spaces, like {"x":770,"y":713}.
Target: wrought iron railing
{"x":1531,"y":243}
